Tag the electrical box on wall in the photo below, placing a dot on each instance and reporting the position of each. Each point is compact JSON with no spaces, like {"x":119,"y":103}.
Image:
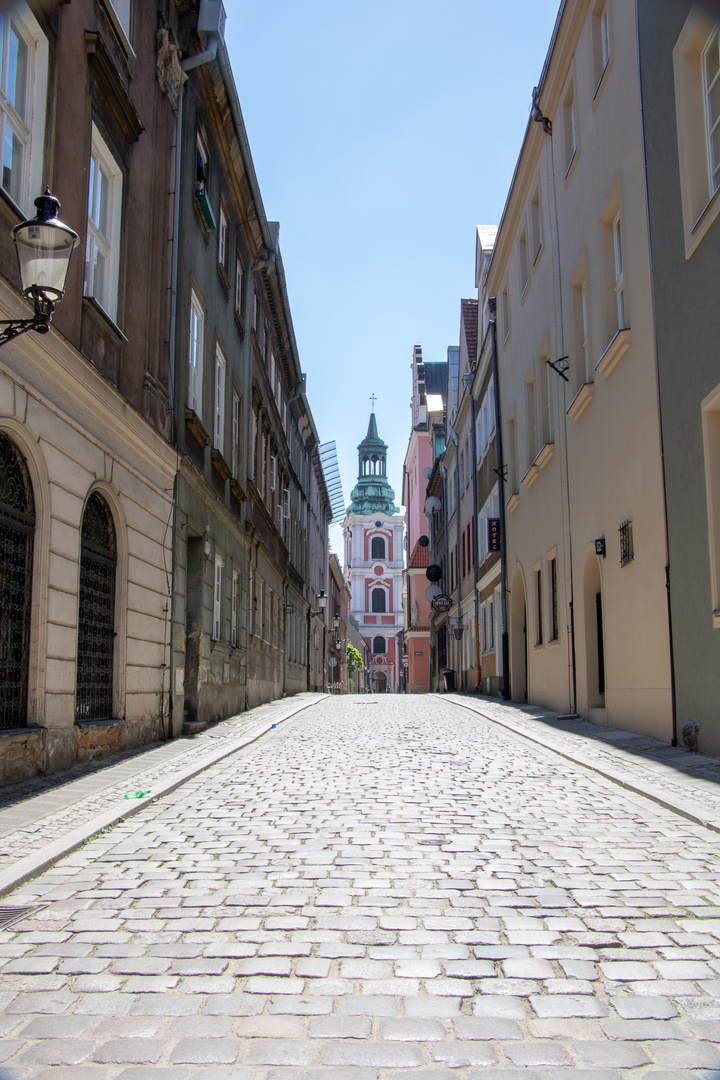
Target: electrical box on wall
{"x":211,"y":19}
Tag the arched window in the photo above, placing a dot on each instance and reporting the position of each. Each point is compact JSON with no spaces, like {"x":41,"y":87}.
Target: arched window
{"x":377,"y":548}
{"x":378,"y":600}
{"x":379,"y":645}
{"x":96,"y":613}
{"x":17,"y":533}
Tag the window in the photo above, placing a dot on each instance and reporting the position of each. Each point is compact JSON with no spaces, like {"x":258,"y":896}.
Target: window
{"x":491,"y":624}
{"x":273,"y":472}
{"x":538,"y":598}
{"x":530,"y":416}
{"x":96,"y":613}
{"x":17,"y":518}
{"x":627,"y":552}
{"x":253,"y":445}
{"x":23,"y":92}
{"x":524,"y":269}
{"x":235,"y":609}
{"x":219,"y":422}
{"x":379,"y":645}
{"x":600,"y":42}
{"x":711,"y":445}
{"x":545,"y":377}
{"x":505,"y":313}
{"x":217,"y":598}
{"x":120,"y":11}
{"x":696,"y":63}
{"x":239,"y":280}
{"x":570,"y":135}
{"x":377,"y":548}
{"x":195,"y":354}
{"x":619,"y":287}
{"x":535,"y":225}
{"x":102,"y":247}
{"x":554,"y":625}
{"x":235,"y":456}
{"x":583,"y":370}
{"x":379,"y":601}
{"x":223,"y":239}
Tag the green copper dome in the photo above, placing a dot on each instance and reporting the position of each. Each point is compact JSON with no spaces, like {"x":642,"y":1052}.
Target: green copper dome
{"x":372,"y":493}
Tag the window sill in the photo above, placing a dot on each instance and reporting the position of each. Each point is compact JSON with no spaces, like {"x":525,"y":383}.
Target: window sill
{"x":222,"y":274}
{"x":531,"y":476}
{"x":237,"y":491}
{"x":601,"y":84}
{"x":546,"y":454}
{"x":538,"y":254}
{"x":220,"y":465}
{"x":513,"y":502}
{"x":194,"y":425}
{"x":240,"y":322}
{"x":614,"y":353}
{"x":703,"y":223}
{"x":109,"y":323}
{"x":582,"y":399}
{"x":553,"y":643}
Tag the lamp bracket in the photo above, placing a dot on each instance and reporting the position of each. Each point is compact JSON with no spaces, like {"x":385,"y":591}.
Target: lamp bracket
{"x":559,"y":366}
{"x":502,"y":473}
{"x":40,"y":322}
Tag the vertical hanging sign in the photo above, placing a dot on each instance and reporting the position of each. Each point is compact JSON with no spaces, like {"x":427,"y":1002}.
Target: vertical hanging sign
{"x":493,"y":534}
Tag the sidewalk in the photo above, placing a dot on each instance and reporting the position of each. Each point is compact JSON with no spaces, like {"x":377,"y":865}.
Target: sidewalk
{"x":45,"y":818}
{"x":687,"y":783}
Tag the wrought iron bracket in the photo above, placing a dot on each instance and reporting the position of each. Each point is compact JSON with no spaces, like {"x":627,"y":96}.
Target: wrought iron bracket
{"x":560,"y":366}
{"x":502,"y":473}
{"x":40,"y":322}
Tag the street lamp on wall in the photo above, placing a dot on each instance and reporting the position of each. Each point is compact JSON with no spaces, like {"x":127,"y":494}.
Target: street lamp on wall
{"x":458,"y":629}
{"x":44,"y":246}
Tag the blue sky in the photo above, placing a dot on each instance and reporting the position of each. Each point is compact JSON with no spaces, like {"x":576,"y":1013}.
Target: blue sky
{"x":382,"y":134}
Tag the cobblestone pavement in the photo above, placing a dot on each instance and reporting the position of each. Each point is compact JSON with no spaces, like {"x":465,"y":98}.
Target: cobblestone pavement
{"x":382,"y":887}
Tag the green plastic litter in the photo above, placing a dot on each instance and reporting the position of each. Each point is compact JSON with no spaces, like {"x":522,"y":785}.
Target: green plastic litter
{"x":136,"y":794}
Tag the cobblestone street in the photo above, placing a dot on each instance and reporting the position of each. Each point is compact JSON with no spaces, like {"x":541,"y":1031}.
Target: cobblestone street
{"x":380,"y":887}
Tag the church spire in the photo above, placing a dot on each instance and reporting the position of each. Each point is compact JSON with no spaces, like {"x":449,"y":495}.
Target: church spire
{"x":372,"y":492}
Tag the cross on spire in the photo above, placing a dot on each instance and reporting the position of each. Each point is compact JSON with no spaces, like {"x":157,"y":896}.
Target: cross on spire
{"x":373,"y":399}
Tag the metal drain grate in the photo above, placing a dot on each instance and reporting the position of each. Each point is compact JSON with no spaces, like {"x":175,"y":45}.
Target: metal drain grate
{"x":10,"y":915}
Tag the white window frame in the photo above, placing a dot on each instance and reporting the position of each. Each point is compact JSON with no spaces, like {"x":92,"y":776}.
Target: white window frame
{"x":222,"y":238}
{"x":103,"y":287}
{"x":219,"y":411}
{"x":235,"y":608}
{"x":217,"y":598}
{"x":235,"y":463}
{"x":619,"y":287}
{"x":196,"y":351}
{"x":570,"y":129}
{"x":712,"y":126}
{"x":28,"y":126}
{"x":239,"y":276}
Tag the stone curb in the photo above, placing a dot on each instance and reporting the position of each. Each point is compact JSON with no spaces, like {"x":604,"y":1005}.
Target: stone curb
{"x":648,"y":791}
{"x":34,"y":864}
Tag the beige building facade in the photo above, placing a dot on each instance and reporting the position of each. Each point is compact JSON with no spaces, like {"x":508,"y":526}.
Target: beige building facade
{"x":571,"y":271}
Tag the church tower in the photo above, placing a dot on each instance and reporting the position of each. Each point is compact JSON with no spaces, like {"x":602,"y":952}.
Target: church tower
{"x":373,"y":534}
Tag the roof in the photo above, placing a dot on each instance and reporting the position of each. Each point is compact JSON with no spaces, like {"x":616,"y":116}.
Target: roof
{"x":420,"y":557}
{"x":469,"y":309}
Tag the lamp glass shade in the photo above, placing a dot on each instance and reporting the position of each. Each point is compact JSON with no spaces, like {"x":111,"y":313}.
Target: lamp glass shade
{"x":322,"y":600}
{"x":44,"y":246}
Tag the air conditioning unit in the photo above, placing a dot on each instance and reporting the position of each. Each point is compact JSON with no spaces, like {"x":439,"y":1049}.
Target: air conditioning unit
{"x":211,"y":20}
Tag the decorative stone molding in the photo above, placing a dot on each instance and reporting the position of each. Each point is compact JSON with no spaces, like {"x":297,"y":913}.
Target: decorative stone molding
{"x":168,"y":68}
{"x":582,"y":399}
{"x":614,"y":353}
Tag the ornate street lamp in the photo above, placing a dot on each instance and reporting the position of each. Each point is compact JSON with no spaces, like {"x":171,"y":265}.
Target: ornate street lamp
{"x":44,"y":246}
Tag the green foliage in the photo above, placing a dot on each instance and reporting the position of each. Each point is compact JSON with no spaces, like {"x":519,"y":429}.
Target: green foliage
{"x":354,"y":658}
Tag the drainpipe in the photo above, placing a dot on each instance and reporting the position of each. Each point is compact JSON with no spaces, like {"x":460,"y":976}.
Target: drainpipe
{"x":457,"y":554}
{"x":476,"y":569}
{"x":190,"y":62}
{"x":500,"y":470}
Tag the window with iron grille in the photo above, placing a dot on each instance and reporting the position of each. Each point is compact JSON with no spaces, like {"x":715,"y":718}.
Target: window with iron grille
{"x":17,"y":531}
{"x":627,"y":553}
{"x":554,"y":588}
{"x":96,"y":612}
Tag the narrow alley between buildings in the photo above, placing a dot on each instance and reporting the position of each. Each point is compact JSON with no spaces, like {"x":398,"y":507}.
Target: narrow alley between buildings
{"x":380,"y":887}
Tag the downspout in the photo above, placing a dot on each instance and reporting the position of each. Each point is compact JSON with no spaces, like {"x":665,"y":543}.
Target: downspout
{"x":190,"y":62}
{"x":500,"y":470}
{"x":673,"y":688}
{"x":476,"y":574}
{"x":457,"y":555}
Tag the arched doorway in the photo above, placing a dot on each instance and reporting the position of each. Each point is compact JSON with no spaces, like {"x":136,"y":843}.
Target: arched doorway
{"x":17,"y":534}
{"x":96,"y":612}
{"x":518,"y":640}
{"x":594,"y":633}
{"x":379,"y":682}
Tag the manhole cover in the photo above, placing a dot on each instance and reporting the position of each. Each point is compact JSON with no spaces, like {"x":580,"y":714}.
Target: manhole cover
{"x":10,"y":915}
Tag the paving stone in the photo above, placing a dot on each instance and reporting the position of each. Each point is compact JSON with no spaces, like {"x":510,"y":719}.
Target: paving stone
{"x":567,"y":1005}
{"x":369,"y":1006}
{"x":487,"y":1028}
{"x":379,"y":1055}
{"x":643,"y":1007}
{"x":340,"y":1027}
{"x":645,"y":1030}
{"x":543,"y":1052}
{"x":505,"y":1007}
{"x":138,"y":1051}
{"x":412,"y":1030}
{"x":199,"y":1051}
{"x":611,"y":1054}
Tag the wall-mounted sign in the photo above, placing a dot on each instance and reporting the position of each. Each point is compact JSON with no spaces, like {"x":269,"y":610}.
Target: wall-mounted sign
{"x":493,"y":534}
{"x":441,"y":602}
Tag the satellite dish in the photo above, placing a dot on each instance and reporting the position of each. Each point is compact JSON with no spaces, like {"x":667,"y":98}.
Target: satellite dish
{"x":433,"y":572}
{"x":423,"y":541}
{"x":432,"y":503}
{"x":432,"y":591}
{"x":427,"y":473}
